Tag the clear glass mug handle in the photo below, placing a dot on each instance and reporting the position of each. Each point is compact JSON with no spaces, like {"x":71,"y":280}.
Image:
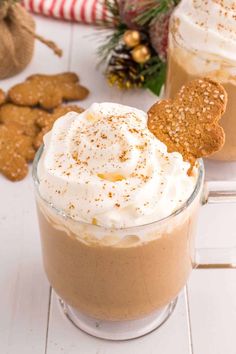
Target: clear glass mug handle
{"x":210,"y":258}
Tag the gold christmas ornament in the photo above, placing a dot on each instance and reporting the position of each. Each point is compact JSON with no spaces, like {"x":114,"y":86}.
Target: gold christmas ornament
{"x":141,"y":54}
{"x":132,"y":38}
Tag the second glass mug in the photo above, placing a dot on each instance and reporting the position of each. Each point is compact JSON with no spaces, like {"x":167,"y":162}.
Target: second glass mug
{"x":186,"y":64}
{"x":121,"y":284}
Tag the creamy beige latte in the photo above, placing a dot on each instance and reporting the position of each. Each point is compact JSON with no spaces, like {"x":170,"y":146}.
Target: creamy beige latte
{"x":104,"y":184}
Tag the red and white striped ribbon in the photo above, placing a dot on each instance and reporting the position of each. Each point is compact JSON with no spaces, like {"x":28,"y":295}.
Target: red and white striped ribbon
{"x":86,"y":11}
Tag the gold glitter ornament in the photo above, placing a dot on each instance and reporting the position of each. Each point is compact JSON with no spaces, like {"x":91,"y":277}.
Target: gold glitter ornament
{"x":132,"y":38}
{"x":141,"y":54}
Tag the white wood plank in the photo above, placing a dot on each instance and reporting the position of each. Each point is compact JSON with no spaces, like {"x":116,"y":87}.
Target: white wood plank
{"x":217,"y":225}
{"x":24,"y":295}
{"x":212,"y":295}
{"x":171,"y":338}
{"x":24,"y":289}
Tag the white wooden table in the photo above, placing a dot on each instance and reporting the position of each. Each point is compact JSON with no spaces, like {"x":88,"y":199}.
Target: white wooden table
{"x":31,"y":322}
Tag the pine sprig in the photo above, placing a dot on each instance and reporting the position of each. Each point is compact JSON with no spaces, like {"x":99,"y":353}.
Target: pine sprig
{"x":113,"y":8}
{"x":110,"y":42}
{"x":113,"y":14}
{"x":154,"y":65}
{"x":157,"y":7}
{"x":121,"y":69}
{"x":154,"y":74}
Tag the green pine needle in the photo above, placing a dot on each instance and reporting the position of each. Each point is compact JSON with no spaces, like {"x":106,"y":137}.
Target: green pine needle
{"x":155,"y":82}
{"x":113,"y":19}
{"x":110,"y":42}
{"x":112,"y":7}
{"x":157,"y":7}
{"x":154,"y":74}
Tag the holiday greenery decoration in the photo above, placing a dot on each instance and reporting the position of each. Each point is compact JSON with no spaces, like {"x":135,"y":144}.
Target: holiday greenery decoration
{"x":17,"y":36}
{"x":135,"y":52}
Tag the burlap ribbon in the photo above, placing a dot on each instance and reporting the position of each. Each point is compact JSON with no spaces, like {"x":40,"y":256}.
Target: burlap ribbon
{"x":17,"y":37}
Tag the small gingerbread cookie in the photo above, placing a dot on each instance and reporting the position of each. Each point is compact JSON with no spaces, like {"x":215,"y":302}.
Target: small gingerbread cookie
{"x":189,"y":123}
{"x":48,"y":91}
{"x":2,"y":97}
{"x":23,"y":117}
{"x":46,"y":122}
{"x":15,"y":151}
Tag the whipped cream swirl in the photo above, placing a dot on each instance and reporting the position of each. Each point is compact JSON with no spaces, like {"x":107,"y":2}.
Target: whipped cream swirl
{"x":207,"y":26}
{"x":105,"y":167}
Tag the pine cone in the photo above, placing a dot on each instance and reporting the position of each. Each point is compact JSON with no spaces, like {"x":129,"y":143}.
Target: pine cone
{"x":122,"y":70}
{"x":159,"y":30}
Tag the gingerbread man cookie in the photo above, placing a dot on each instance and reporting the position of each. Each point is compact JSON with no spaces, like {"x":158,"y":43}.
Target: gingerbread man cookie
{"x":15,"y":151}
{"x":189,"y":124}
{"x":48,"y":91}
{"x":23,"y":117}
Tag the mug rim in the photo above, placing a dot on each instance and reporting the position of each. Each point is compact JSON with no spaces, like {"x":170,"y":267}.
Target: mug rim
{"x":61,"y":213}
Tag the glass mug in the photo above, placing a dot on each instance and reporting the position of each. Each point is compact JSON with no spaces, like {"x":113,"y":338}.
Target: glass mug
{"x":186,"y":64}
{"x":123,"y":283}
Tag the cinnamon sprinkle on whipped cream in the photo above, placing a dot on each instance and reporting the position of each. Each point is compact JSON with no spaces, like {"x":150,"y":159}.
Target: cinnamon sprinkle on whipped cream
{"x":105,"y":165}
